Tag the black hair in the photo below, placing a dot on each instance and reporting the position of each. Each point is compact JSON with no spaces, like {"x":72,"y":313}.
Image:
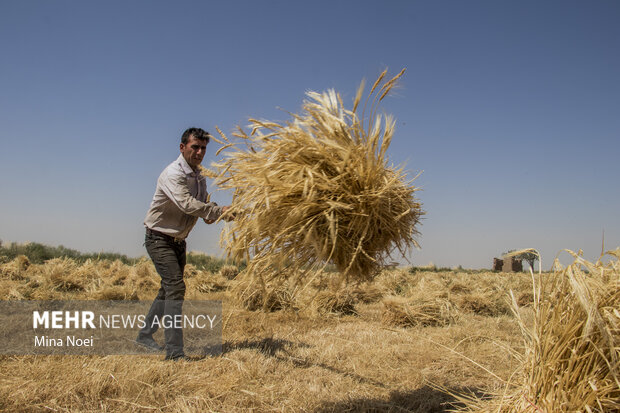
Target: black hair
{"x":196,"y":133}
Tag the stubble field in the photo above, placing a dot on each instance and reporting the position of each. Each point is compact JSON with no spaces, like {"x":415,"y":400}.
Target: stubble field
{"x":385,"y":346}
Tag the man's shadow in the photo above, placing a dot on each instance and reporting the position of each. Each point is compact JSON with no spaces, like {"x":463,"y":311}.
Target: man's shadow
{"x":424,"y":399}
{"x":268,"y":346}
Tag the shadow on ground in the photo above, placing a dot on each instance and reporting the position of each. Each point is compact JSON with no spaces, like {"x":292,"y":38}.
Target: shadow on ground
{"x":268,"y":346}
{"x":423,"y":400}
{"x":278,"y":349}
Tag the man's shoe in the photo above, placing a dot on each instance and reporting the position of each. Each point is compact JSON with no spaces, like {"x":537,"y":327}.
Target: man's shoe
{"x":149,"y":343}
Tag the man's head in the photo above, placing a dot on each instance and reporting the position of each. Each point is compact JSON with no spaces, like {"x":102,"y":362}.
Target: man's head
{"x":194,"y":145}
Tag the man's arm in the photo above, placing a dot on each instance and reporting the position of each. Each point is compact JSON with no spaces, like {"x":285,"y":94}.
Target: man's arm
{"x":228,"y":218}
{"x":176,"y":189}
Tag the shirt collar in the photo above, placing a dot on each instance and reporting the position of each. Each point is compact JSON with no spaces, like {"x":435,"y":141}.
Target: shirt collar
{"x":185,"y":166}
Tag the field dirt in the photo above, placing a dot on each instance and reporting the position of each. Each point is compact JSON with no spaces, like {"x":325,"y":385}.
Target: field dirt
{"x":409,"y":334}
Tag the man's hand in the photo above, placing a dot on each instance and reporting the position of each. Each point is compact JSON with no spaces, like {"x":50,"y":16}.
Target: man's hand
{"x":230,"y":216}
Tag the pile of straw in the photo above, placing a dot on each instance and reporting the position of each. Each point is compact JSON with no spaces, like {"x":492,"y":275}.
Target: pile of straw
{"x":401,"y":312}
{"x":335,"y":302}
{"x":572,"y":352}
{"x":68,"y":279}
{"x":15,"y":269}
{"x":253,"y":295}
{"x":318,"y":190}
{"x":229,"y":272}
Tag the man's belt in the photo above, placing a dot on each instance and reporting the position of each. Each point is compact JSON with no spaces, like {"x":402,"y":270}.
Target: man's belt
{"x":161,"y":234}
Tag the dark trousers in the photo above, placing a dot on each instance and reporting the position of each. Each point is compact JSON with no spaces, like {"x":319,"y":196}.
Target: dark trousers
{"x":169,"y":258}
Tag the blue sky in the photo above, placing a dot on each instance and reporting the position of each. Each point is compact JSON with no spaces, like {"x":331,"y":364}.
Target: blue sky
{"x":510,"y":109}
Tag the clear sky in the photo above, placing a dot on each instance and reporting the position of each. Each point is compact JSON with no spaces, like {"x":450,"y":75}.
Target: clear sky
{"x":510,"y":108}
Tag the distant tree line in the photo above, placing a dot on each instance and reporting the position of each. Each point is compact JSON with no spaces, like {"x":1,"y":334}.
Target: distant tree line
{"x":39,"y":253}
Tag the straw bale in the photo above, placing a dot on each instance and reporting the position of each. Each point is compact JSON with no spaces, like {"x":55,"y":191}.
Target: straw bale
{"x":318,"y":190}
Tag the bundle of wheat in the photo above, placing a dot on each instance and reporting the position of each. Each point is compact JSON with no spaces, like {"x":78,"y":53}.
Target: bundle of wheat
{"x":335,"y":302}
{"x":318,"y":190}
{"x":229,"y":271}
{"x":253,"y":295}
{"x":206,"y":282}
{"x":15,"y":269}
{"x":401,"y":312}
{"x":488,"y":303}
{"x":572,"y":351}
{"x":62,"y":275}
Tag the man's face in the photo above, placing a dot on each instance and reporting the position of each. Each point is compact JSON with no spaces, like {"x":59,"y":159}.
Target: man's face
{"x":193,"y":151}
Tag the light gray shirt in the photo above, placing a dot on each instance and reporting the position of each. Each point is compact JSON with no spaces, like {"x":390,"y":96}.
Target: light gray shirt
{"x":180,"y":199}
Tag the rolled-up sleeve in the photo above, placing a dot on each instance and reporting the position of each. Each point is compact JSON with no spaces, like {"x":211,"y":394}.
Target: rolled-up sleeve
{"x":175,"y":187}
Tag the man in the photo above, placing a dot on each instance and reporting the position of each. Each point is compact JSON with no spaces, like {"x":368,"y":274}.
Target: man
{"x":180,"y":199}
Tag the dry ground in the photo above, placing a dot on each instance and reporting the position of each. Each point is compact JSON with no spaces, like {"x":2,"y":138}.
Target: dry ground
{"x":411,"y":333}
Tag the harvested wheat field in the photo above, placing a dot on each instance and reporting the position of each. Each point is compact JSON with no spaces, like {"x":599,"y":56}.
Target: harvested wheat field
{"x":408,"y":341}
